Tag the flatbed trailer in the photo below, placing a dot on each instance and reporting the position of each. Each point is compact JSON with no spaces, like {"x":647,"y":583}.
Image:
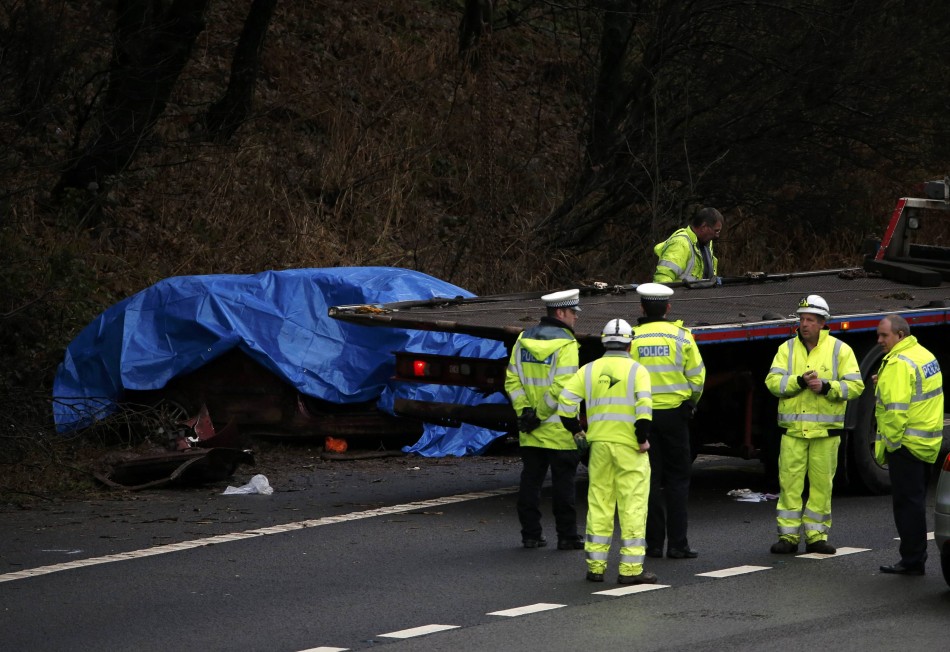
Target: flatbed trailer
{"x":738,"y":326}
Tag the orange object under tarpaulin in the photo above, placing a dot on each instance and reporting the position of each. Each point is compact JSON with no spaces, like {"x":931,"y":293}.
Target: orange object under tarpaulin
{"x":334,"y":445}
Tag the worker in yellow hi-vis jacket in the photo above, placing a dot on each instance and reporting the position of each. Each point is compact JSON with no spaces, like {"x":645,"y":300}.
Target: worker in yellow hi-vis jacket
{"x":616,"y":390}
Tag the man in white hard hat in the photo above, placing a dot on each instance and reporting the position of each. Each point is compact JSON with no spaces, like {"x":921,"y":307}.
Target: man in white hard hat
{"x":814,"y":375}
{"x":616,"y":390}
{"x":542,"y":359}
{"x":677,"y":375}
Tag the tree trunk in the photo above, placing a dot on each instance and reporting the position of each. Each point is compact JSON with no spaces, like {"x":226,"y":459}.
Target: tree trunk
{"x":150,"y":53}
{"x":227,"y":114}
{"x":608,"y":107}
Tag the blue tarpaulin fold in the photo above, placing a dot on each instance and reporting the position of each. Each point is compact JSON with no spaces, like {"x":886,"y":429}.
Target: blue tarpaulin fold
{"x":279,"y":319}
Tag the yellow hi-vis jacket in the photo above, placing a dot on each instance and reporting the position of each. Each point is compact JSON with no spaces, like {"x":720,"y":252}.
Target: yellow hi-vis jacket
{"x":670,"y":354}
{"x":802,"y":412}
{"x":616,"y":389}
{"x":680,"y":258}
{"x":909,"y":402}
{"x":542,"y":359}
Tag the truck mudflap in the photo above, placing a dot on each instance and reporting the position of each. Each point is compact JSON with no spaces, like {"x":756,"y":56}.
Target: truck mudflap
{"x":494,"y":416}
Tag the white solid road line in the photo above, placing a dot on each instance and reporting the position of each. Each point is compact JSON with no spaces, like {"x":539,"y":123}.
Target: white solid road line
{"x":250,"y":534}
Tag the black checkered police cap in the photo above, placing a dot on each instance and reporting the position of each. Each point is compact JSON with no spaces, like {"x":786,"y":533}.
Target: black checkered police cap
{"x":654,"y":292}
{"x":564,"y":299}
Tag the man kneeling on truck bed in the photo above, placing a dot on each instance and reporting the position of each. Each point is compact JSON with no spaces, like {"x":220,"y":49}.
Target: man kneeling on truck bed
{"x":814,"y":375}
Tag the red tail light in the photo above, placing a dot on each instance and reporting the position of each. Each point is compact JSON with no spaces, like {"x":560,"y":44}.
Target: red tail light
{"x":946,"y":464}
{"x":419,"y":367}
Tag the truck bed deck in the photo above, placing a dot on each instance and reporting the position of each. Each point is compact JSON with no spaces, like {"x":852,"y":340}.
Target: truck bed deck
{"x":738,"y":310}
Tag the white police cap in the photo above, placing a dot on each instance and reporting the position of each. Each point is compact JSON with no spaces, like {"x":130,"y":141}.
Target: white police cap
{"x":654,"y":292}
{"x":564,"y":299}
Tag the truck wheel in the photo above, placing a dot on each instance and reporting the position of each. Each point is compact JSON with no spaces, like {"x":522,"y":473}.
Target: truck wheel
{"x":864,"y":473}
{"x":945,"y":562}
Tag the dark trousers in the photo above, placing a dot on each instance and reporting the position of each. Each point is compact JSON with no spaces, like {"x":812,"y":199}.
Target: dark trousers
{"x":670,"y":463}
{"x":563,"y":465}
{"x":909,"y":479}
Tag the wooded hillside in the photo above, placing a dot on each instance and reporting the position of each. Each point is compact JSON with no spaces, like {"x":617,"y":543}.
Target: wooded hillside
{"x":499,"y":145}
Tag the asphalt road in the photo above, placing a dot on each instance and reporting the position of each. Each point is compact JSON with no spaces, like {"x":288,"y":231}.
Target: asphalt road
{"x":416,"y":554}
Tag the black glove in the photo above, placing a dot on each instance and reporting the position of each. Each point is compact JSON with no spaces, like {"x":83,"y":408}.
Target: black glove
{"x":528,"y":420}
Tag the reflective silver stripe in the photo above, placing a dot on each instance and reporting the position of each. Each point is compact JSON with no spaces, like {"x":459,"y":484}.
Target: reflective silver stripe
{"x":691,"y":263}
{"x":560,"y":371}
{"x":843,"y":389}
{"x":513,"y":369}
{"x":812,"y":418}
{"x":897,"y":406}
{"x":571,"y":396}
{"x":669,"y":265}
{"x":516,"y":393}
{"x":925,"y":434}
{"x":816,"y":527}
{"x":631,"y":559}
{"x":536,"y":382}
{"x":834,"y":359}
{"x":630,"y":543}
{"x":777,"y":370}
{"x":851,"y":377}
{"x":931,"y":394}
{"x":788,"y":530}
{"x":554,"y":418}
{"x":695,"y":371}
{"x":623,"y":418}
{"x":596,"y":555}
{"x":815,"y":516}
{"x":789,"y":365}
{"x":662,"y":368}
{"x":667,"y":389}
{"x":920,"y":380}
{"x":644,"y":393}
{"x":784,"y":513}
{"x":552,"y":368}
{"x":550,"y":401}
{"x":615,"y":400}
{"x":596,"y":538}
{"x":643,"y":409}
{"x":589,"y":380}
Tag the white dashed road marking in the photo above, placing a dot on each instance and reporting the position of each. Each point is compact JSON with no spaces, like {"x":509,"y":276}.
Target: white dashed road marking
{"x":841,"y":552}
{"x":326,"y":649}
{"x":418,"y":631}
{"x":529,"y":609}
{"x":729,"y":572}
{"x":930,"y":537}
{"x":627,"y":590}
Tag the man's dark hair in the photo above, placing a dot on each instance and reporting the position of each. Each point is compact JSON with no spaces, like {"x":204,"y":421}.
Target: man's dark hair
{"x":654,"y":309}
{"x":707,"y":216}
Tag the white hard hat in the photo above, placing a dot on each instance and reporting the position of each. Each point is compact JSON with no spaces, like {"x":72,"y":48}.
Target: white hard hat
{"x":617,"y":330}
{"x":564,"y":299}
{"x":815,"y":305}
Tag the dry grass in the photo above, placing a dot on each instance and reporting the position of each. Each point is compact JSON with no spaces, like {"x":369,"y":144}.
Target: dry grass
{"x":371,"y":144}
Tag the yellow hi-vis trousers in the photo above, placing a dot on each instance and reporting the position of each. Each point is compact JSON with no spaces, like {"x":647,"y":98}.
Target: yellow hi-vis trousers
{"x":818,"y":458}
{"x":619,"y":482}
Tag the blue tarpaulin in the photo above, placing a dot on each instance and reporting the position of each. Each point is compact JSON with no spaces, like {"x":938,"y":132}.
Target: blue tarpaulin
{"x":279,"y":319}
